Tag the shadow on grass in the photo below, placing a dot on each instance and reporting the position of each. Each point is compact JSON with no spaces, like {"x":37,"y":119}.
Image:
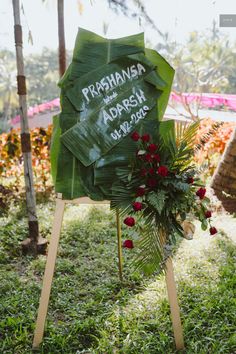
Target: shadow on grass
{"x":209,"y":307}
{"x":91,"y":312}
{"x":208,"y":313}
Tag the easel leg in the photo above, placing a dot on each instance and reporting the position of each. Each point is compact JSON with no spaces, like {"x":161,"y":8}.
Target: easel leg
{"x":118,"y":225}
{"x":49,"y":271}
{"x":174,"y":307}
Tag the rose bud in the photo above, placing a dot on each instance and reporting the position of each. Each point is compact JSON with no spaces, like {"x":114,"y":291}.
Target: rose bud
{"x":151,"y":171}
{"x":145,"y":138}
{"x":156,"y":157}
{"x":135,"y":136}
{"x":148,"y":157}
{"x":129,"y":221}
{"x":201,"y":192}
{"x":190,"y":180}
{"x":143,"y":172}
{"x":162,"y":171}
{"x":140,"y":192}
{"x":152,"y":148}
{"x":128,"y":244}
{"x":137,"y":206}
{"x":213,"y":230}
{"x":152,"y":182}
{"x":207,"y":214}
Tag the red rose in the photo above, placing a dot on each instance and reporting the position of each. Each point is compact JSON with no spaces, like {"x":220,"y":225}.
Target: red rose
{"x":143,"y":172}
{"x":213,"y":230}
{"x":162,"y":171}
{"x":207,"y":214}
{"x":152,"y":148}
{"x":156,"y":157}
{"x":128,"y":244}
{"x":145,"y":138}
{"x":135,"y":136}
{"x":148,"y":157}
{"x":140,"y":192}
{"x":137,"y":206}
{"x":129,"y":221}
{"x":151,"y":182}
{"x":190,"y":180}
{"x":201,"y":192}
{"x":151,"y":171}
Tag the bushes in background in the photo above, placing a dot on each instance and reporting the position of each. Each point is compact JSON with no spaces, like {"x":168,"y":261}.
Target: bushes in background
{"x":211,"y":139}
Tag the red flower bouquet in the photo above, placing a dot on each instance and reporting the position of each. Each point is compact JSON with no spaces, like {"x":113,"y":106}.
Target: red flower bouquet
{"x":158,"y":192}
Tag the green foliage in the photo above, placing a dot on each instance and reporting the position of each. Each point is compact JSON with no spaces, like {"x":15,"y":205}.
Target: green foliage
{"x":90,"y":311}
{"x":42,"y":75}
{"x":205,"y":63}
{"x":89,"y":155}
{"x":55,"y":145}
{"x":11,"y":165}
{"x":167,"y":195}
{"x":151,"y":255}
{"x":41,"y":72}
{"x":185,"y":142}
{"x":8,"y":96}
{"x":157,"y":200}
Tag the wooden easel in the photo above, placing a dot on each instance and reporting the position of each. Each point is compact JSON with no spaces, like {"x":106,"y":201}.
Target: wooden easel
{"x":50,"y":266}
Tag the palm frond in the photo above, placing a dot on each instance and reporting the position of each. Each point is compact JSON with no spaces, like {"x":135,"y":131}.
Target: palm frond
{"x":186,"y":133}
{"x":121,"y":198}
{"x":180,"y":127}
{"x":151,"y":253}
{"x":189,"y":134}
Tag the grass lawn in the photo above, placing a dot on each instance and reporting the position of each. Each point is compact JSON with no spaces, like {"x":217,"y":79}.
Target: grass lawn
{"x":91,"y":312}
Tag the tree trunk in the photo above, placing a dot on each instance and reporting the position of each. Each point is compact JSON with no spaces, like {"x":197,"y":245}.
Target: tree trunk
{"x":34,"y":243}
{"x":61,"y":37}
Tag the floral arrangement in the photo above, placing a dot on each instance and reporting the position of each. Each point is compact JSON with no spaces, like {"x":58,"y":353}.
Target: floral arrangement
{"x":11,"y":161}
{"x":11,"y":166}
{"x":160,"y":191}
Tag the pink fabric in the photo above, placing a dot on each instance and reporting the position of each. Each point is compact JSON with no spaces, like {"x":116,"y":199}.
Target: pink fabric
{"x":43,"y":107}
{"x":209,"y":100}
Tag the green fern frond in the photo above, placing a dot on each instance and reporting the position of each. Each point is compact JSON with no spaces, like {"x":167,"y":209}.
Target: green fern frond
{"x":157,"y":200}
{"x":151,"y":253}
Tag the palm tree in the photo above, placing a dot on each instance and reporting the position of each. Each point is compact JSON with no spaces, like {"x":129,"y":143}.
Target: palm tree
{"x":61,"y":37}
{"x":116,"y":5}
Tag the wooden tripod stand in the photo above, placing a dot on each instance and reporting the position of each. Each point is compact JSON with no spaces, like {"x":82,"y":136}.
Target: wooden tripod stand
{"x":50,"y":266}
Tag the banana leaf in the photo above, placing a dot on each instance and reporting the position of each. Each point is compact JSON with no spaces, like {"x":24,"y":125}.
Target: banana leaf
{"x":166,"y":72}
{"x":92,"y":51}
{"x":55,"y":147}
{"x":79,"y":169}
{"x":95,"y":136}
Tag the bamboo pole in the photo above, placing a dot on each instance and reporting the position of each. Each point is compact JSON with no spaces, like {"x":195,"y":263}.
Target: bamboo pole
{"x":118,"y":226}
{"x":33,"y":243}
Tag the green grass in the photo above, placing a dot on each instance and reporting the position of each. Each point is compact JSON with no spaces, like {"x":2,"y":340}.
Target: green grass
{"x":91,"y":312}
